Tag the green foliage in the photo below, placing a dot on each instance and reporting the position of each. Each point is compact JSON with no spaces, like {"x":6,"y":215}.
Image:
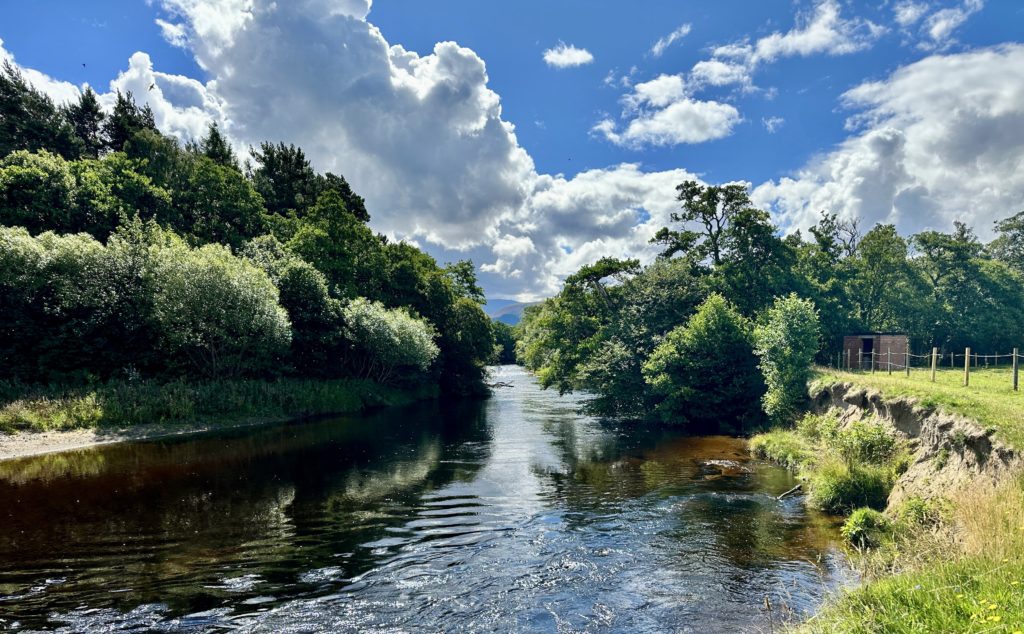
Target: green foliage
{"x":124,"y":121}
{"x":838,"y":487}
{"x":219,"y":312}
{"x":866,"y":442}
{"x":116,"y":404}
{"x":29,"y":120}
{"x":37,"y":191}
{"x":787,"y":448}
{"x":150,"y":304}
{"x":504,"y":343}
{"x":386,"y":341}
{"x":866,"y":528}
{"x":706,"y":372}
{"x":786,"y":344}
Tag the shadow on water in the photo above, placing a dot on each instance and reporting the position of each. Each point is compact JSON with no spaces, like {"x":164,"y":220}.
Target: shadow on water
{"x":516,"y":514}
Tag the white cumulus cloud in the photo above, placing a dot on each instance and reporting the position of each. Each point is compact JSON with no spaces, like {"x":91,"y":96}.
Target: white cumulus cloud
{"x":567,"y":56}
{"x":939,"y":140}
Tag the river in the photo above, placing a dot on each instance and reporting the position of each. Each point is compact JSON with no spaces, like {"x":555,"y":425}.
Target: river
{"x":512,"y":514}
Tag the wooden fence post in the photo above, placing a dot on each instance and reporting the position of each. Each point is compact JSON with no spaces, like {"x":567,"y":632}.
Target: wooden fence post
{"x":1016,"y":368}
{"x":967,"y":367}
{"x":848,"y":360}
{"x":906,"y":360}
{"x":873,"y":361}
{"x":935,"y":362}
{"x":888,"y":359}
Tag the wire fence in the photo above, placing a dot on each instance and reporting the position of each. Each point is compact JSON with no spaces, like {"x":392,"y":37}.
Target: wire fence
{"x":905,"y":362}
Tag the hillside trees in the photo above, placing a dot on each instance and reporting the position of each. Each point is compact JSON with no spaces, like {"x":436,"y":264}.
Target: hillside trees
{"x":128,"y":253}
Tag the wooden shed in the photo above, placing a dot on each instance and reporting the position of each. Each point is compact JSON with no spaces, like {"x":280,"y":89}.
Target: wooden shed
{"x":860,"y":350}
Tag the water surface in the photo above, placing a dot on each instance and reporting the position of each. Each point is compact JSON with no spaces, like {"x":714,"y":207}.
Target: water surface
{"x":513,"y":514}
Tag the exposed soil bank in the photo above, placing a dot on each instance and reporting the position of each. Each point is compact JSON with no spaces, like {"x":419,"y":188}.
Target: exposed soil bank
{"x":951,"y":453}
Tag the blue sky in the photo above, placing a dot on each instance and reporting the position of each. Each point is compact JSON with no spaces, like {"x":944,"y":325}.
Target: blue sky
{"x":824,"y":115}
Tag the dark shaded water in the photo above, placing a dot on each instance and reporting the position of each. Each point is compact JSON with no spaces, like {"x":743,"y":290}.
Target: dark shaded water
{"x":516,"y":514}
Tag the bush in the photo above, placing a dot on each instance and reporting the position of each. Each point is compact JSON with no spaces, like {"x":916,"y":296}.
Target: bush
{"x":837,"y":487}
{"x":218,"y":311}
{"x":866,"y":442}
{"x":866,"y":528}
{"x":705,"y":371}
{"x":917,"y":511}
{"x":385,"y":341}
{"x":786,"y":344}
{"x":36,"y":191}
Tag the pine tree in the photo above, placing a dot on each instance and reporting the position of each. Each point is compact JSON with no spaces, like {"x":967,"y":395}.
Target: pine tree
{"x":86,"y":119}
{"x":29,"y":120}
{"x":217,"y":148}
{"x":125,"y":120}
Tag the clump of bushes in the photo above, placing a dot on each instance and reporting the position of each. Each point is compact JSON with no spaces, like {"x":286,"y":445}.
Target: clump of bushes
{"x":838,"y":487}
{"x":786,"y":344}
{"x":788,"y":448}
{"x":846,"y":467}
{"x":867,"y":528}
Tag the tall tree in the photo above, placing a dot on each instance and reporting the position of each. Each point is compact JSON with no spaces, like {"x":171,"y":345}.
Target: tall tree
{"x":126,"y":119}
{"x":29,"y":120}
{"x":1009,"y":244}
{"x":86,"y":119}
{"x":711,"y":208}
{"x":285,"y":179}
{"x":217,"y":148}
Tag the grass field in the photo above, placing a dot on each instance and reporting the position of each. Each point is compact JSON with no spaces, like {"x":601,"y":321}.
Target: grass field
{"x":989,"y":399}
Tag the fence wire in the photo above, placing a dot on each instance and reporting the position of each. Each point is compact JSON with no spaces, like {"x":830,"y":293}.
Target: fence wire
{"x":906,"y":362}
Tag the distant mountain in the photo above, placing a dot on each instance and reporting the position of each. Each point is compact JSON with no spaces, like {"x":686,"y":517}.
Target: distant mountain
{"x":507,"y":311}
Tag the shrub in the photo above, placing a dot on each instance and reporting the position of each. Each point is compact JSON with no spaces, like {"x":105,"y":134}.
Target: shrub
{"x":917,"y":511}
{"x":705,"y":371}
{"x":816,"y":427}
{"x":866,"y":528}
{"x":218,"y":311}
{"x":866,"y":442}
{"x":838,"y":487}
{"x":786,"y":344}
{"x":386,"y":341}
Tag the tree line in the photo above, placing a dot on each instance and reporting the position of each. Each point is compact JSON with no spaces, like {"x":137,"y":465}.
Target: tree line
{"x":124,"y":253}
{"x":690,"y":338}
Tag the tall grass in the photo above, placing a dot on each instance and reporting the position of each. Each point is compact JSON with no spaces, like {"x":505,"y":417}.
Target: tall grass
{"x":971,"y":582}
{"x":125,"y":404}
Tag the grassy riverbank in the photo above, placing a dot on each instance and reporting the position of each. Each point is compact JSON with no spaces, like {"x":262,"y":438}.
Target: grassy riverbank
{"x":122,"y":404}
{"x":950,"y":564}
{"x":989,"y":399}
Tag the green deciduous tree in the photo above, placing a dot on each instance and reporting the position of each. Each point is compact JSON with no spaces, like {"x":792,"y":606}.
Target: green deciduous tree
{"x":786,"y":343}
{"x":705,"y":371}
{"x":387,"y":342}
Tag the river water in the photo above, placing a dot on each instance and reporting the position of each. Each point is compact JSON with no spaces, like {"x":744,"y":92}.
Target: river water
{"x":512,"y":514}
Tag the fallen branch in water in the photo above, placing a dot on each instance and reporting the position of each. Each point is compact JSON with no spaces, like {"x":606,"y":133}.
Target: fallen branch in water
{"x":500,"y":384}
{"x":793,"y":490}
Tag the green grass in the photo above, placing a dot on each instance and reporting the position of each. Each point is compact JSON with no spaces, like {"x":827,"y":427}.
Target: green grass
{"x":974,"y":583}
{"x":989,"y":399}
{"x":126,"y":404}
{"x":785,"y":447}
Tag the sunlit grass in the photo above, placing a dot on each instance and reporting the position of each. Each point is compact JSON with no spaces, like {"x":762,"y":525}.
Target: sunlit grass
{"x":974,"y":584}
{"x":989,"y":399}
{"x":125,"y":404}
